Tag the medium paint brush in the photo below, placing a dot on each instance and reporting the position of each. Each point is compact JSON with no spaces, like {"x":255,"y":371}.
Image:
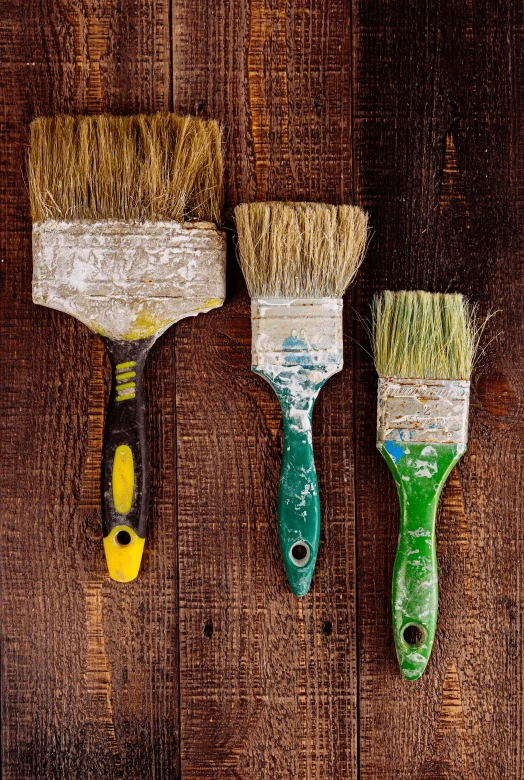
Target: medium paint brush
{"x":424,"y":346}
{"x":298,"y":259}
{"x":125,"y":238}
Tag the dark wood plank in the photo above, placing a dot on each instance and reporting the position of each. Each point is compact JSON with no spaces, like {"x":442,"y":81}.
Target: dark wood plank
{"x":89,"y":667}
{"x":267,"y":681}
{"x":268,"y":684}
{"x":437,"y":159}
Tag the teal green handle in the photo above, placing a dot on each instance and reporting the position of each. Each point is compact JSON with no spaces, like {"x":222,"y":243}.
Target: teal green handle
{"x":420,"y":471}
{"x":298,"y":497}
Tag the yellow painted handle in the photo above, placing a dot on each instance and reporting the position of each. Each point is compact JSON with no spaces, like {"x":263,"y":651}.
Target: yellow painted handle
{"x":123,"y":550}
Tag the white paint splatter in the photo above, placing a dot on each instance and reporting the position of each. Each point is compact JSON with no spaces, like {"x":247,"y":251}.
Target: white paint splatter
{"x":425,"y":468}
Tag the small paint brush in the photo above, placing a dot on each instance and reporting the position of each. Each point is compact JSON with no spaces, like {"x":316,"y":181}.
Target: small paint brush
{"x":298,"y":259}
{"x":424,"y":346}
{"x":125,"y":238}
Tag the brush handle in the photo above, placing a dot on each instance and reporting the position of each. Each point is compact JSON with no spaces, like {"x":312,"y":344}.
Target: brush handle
{"x":298,"y":496}
{"x":420,"y":471}
{"x":125,"y":461}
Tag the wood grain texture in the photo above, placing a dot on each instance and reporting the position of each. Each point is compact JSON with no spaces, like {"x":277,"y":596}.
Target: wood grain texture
{"x":267,"y":682}
{"x":89,"y":669}
{"x":207,"y":668}
{"x":437,"y":160}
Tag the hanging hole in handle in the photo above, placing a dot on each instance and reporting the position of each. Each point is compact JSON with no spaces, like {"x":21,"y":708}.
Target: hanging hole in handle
{"x":300,"y":553}
{"x":123,"y":538}
{"x":414,"y":635}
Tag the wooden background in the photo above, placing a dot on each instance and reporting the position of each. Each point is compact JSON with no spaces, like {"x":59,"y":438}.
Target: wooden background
{"x":206,"y":667}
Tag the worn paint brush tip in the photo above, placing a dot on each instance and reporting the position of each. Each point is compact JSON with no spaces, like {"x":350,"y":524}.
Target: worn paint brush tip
{"x":423,"y":335}
{"x":142,"y":167}
{"x":300,"y":250}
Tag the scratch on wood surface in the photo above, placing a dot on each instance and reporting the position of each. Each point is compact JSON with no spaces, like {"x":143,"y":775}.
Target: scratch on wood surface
{"x":97,"y":40}
{"x":450,"y":756}
{"x":90,"y":483}
{"x":90,"y":22}
{"x":451,"y":728}
{"x":308,"y":741}
{"x":453,"y":502}
{"x":267,"y":72}
{"x":452,"y":187}
{"x":469,"y":22}
{"x":97,"y":675}
{"x":451,"y":715}
{"x":453,"y":526}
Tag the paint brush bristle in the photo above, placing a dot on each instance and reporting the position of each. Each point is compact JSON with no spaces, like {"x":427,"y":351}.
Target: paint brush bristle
{"x":300,"y":250}
{"x":423,"y":335}
{"x":158,"y":167}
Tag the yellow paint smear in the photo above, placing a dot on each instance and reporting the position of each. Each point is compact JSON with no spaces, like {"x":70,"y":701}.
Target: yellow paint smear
{"x":123,"y":479}
{"x":145,"y":325}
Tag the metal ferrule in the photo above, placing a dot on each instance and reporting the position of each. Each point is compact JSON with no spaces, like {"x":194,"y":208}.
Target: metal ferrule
{"x":423,"y":410}
{"x":128,"y":280}
{"x":303,"y":332}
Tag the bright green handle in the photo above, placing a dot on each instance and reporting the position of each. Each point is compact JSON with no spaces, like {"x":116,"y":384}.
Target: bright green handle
{"x":298,"y":498}
{"x":420,"y":471}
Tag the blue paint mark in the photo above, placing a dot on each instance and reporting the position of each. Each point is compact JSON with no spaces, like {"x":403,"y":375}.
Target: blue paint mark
{"x":394,"y":450}
{"x":294,"y":344}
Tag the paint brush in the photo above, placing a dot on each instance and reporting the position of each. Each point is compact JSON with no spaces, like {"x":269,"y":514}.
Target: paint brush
{"x":298,"y":259}
{"x":424,"y":347}
{"x":125,"y":238}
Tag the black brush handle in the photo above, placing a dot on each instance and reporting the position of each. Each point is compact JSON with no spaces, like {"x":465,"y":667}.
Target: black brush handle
{"x":125,"y":460}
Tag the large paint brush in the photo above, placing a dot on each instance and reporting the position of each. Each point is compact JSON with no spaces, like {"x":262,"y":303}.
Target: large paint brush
{"x":424,"y":347}
{"x":125,"y":238}
{"x":298,"y":259}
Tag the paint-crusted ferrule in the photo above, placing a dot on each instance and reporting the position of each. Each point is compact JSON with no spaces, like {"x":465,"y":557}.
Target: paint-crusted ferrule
{"x":297,"y":346}
{"x":304,"y":332}
{"x":129,"y":280}
{"x":434,"y":411}
{"x":422,"y":434}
